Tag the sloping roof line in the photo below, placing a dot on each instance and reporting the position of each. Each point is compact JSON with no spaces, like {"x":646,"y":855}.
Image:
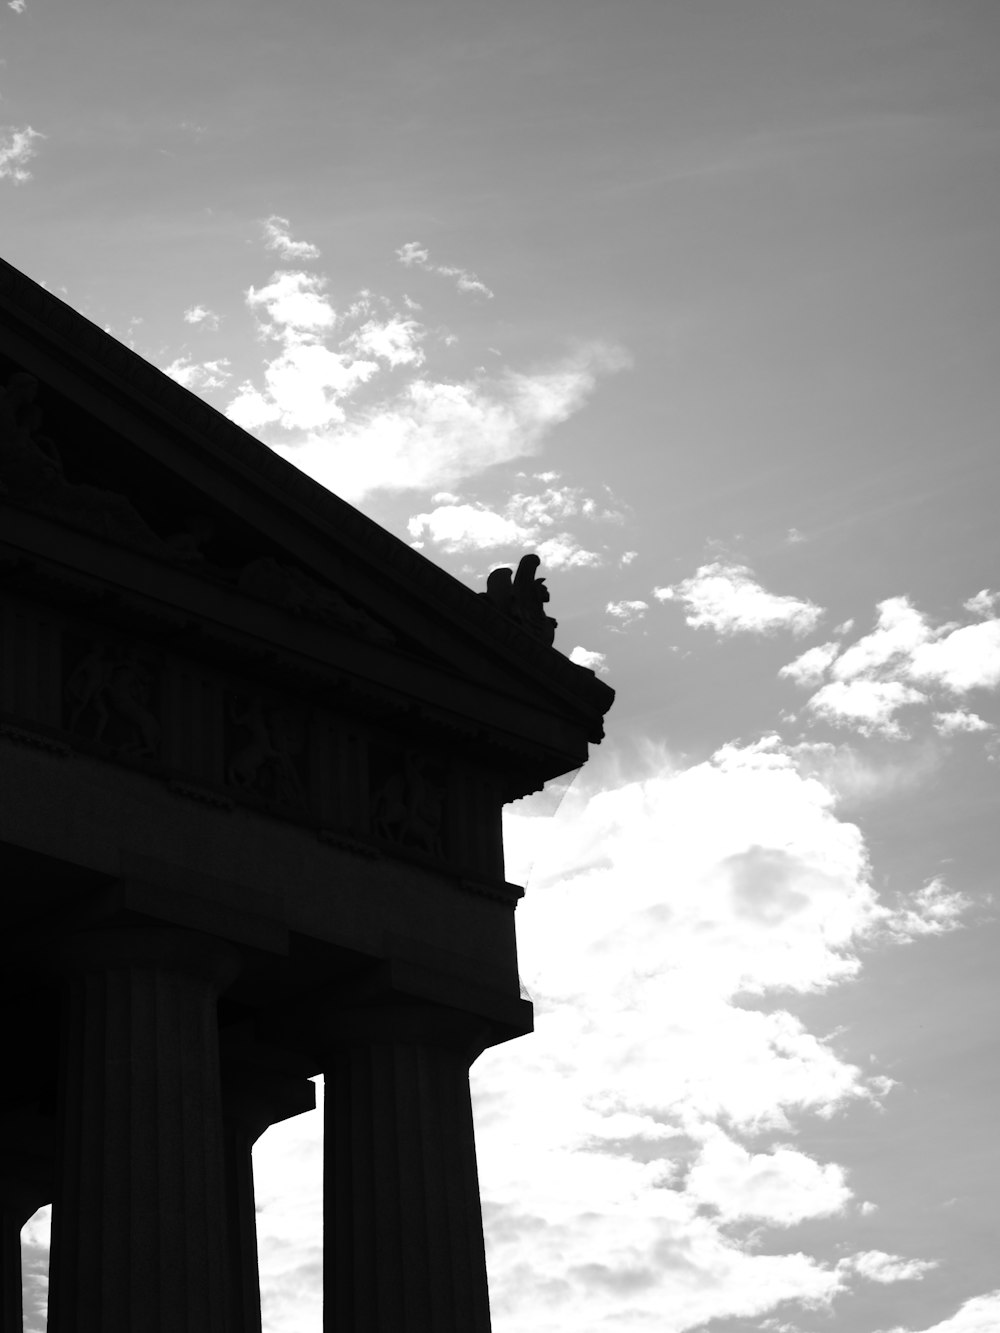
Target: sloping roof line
{"x":166,"y":398}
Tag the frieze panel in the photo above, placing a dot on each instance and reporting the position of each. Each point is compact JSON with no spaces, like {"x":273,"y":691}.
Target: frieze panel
{"x":265,"y":744}
{"x":408,"y":800}
{"x":111,"y":696}
{"x":227,"y":742}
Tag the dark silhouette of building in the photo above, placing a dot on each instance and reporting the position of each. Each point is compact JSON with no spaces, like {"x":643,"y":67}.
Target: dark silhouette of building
{"x":253,"y":756}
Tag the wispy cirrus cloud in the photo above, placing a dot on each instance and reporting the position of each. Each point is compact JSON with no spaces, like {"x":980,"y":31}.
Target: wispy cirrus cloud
{"x":626,"y":612}
{"x":433,"y":433}
{"x":414,"y":255}
{"x":17,"y":148}
{"x":877,"y":1266}
{"x":277,"y":236}
{"x":727,"y":598}
{"x":346,"y":391}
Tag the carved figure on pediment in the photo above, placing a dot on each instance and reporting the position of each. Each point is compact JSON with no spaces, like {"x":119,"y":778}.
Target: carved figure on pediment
{"x":522,"y":597}
{"x":267,"y":760}
{"x":189,"y":540}
{"x":32,"y":474}
{"x":119,"y":687}
{"x":30,"y":465}
{"x":295,"y":591}
{"x":409,"y":807}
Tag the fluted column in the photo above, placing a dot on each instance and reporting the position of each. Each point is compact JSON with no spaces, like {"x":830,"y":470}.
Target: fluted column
{"x":138,"y":1227}
{"x":252,"y":1100}
{"x":403,"y":1232}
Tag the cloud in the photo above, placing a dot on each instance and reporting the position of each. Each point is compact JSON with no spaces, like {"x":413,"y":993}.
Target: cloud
{"x":949,"y":724}
{"x":199,"y":314}
{"x":295,"y":304}
{"x":277,"y":237}
{"x":396,"y":341}
{"x":626,"y":613}
{"x":932,"y":910}
{"x":306,"y":383}
{"x":984,"y":603}
{"x":584,"y":657}
{"x":877,"y":1266}
{"x":463,"y":527}
{"x":861,"y":775}
{"x":783,"y":1186}
{"x":811,"y":666}
{"x":726,"y":598}
{"x":17,"y":148}
{"x":900,"y":663}
{"x":964,"y":659}
{"x":981,"y":1314}
{"x":18,"y":6}
{"x":199,"y":376}
{"x":432,"y":434}
{"x":870,"y":706}
{"x":525,"y":520}
{"x":414,"y":255}
{"x":612,"y":1156}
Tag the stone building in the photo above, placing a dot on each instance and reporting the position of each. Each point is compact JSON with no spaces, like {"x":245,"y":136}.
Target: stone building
{"x":253,"y":756}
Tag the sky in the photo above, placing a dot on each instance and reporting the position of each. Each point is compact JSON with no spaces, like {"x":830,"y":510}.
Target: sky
{"x":700,"y":300}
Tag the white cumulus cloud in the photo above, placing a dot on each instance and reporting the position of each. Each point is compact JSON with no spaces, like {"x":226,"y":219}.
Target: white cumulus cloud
{"x":585,"y":657}
{"x":783,"y":1186}
{"x":981,"y":1314}
{"x":902,"y":662}
{"x":870,"y":706}
{"x":727,"y":598}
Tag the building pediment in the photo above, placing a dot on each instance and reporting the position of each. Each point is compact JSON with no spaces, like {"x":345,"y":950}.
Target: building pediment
{"x":199,"y":529}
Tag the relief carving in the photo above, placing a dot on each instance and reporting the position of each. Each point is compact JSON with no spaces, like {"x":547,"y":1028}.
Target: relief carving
{"x":408,"y":808}
{"x":114,"y":687}
{"x":265,"y":763}
{"x":32,"y":474}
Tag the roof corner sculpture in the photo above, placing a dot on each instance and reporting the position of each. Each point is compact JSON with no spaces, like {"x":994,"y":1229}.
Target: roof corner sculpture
{"x":522,"y":597}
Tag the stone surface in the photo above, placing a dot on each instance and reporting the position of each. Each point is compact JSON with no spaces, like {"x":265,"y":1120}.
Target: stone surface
{"x":139,"y":1221}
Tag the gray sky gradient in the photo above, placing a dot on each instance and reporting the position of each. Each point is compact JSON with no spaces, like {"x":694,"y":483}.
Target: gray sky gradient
{"x":698,"y":298}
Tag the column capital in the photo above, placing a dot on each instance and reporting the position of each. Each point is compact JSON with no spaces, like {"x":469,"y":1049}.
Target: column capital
{"x":146,"y":947}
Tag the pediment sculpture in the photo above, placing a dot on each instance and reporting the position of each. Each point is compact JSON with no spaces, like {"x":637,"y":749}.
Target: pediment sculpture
{"x":32,"y":474}
{"x":522,"y":598}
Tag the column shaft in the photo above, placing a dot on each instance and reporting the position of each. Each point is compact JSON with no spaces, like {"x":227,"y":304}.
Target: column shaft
{"x":244,"y":1291}
{"x":139,"y":1225}
{"x":403,"y":1233}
